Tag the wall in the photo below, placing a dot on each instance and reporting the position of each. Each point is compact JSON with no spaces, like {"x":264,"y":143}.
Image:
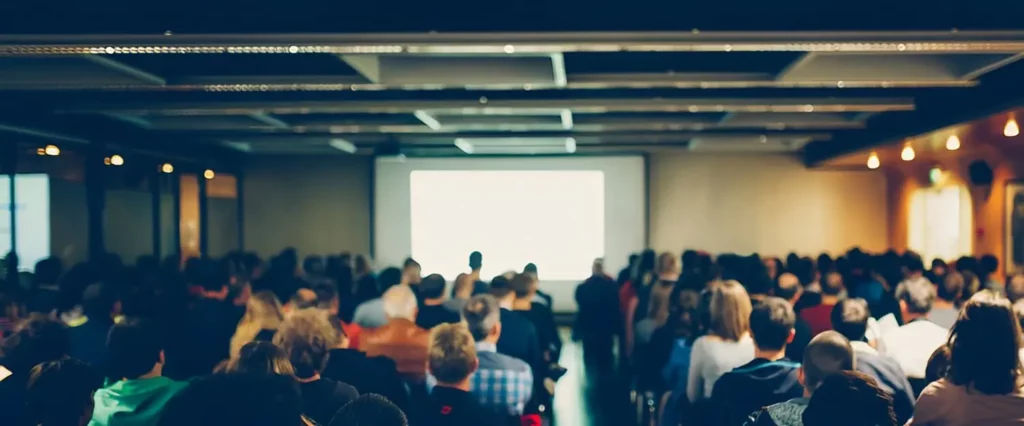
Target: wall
{"x":767,"y":204}
{"x":315,"y":204}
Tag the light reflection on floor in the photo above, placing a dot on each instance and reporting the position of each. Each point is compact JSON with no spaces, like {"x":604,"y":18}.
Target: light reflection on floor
{"x":588,"y":398}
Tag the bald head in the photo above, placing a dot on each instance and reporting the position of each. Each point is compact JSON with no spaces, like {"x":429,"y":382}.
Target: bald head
{"x":828,"y":353}
{"x":400,"y":302}
{"x":788,"y":287}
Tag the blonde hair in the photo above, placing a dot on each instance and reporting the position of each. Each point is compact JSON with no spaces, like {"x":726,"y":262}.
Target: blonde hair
{"x":400,"y":302}
{"x":730,"y":310}
{"x":451,"y":356}
{"x":307,"y":336}
{"x":260,"y":358}
{"x":262,"y":311}
{"x":667,"y":264}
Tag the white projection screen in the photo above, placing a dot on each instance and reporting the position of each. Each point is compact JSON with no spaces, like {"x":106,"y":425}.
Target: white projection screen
{"x":558,"y":213}
{"x":32,"y":220}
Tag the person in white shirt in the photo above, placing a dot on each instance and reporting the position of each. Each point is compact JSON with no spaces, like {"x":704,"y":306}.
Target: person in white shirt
{"x":913,"y":343}
{"x":728,"y":343}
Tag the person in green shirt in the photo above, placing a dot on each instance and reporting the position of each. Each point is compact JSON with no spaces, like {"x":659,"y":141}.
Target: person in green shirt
{"x":136,"y":356}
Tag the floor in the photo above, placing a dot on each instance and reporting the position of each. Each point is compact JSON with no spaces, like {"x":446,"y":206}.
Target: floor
{"x":589,"y":398}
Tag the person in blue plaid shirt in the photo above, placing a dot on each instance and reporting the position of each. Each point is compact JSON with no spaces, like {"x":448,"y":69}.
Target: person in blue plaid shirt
{"x":501,"y":383}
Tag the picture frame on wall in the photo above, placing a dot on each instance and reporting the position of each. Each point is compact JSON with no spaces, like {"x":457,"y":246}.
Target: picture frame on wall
{"x":1014,"y":238}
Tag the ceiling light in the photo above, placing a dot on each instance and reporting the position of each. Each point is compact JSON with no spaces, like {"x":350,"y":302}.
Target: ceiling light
{"x":908,"y":153}
{"x":51,"y":150}
{"x":1011,"y":128}
{"x":106,"y":160}
{"x":343,"y":145}
{"x":510,"y":48}
{"x":464,"y":145}
{"x":935,"y":175}
{"x":873,"y":161}
{"x":167,"y":168}
{"x":208,"y":174}
{"x":953,"y":143}
{"x":570,"y":145}
{"x":116,"y":160}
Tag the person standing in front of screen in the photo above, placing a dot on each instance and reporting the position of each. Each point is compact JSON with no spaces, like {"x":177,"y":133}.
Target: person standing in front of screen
{"x":476,"y":260}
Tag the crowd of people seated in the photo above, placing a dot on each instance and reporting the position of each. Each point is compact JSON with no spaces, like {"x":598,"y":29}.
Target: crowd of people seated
{"x":242,"y":341}
{"x":860,"y":339}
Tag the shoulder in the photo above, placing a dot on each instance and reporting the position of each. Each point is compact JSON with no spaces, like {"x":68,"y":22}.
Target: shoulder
{"x":511,"y":363}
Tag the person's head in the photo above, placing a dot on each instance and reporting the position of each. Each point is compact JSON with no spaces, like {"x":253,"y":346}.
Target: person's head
{"x":135,"y":349}
{"x":370,"y":410}
{"x":951,"y":288}
{"x":1015,"y":287}
{"x":412,"y":273}
{"x":827,"y":353}
{"x":100,"y":301}
{"x":307,"y":336}
{"x":48,"y":271}
{"x":38,"y":339}
{"x":850,"y":318}
{"x":400,"y":303}
{"x":451,"y":357}
{"x":463,"y":286}
{"x":832,"y":285}
{"x":327,"y":297}
{"x":788,"y":287}
{"x":849,"y":398}
{"x":59,"y":392}
{"x":483,"y":318}
{"x":213,"y":278}
{"x":303,"y":298}
{"x":260,"y":357}
{"x":683,"y":314}
{"x":730,"y":311}
{"x":985,"y":345}
{"x":531,"y":270}
{"x":524,"y":286}
{"x":236,"y":399}
{"x":432,"y":287}
{"x":771,"y":324}
{"x":667,"y":264}
{"x":988,"y":265}
{"x":912,"y":265}
{"x":504,"y":295}
{"x":939,"y":268}
{"x":388,"y":278}
{"x":938,"y":364}
{"x":313,"y":265}
{"x":597,"y":268}
{"x":361,"y":265}
{"x":916,"y":297}
{"x":476,"y":261}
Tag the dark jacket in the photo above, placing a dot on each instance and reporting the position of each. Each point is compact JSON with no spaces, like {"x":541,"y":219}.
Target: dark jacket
{"x":204,"y":339}
{"x":757,"y":384}
{"x":519,"y":339}
{"x":889,"y":375}
{"x":368,"y":374}
{"x":431,"y":316}
{"x":801,"y":338}
{"x":322,"y":398}
{"x":89,"y":341}
{"x":454,"y":407}
{"x":597,"y":299}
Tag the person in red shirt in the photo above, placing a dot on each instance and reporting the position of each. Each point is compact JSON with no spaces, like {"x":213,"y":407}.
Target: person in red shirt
{"x":327,"y":299}
{"x":819,"y":316}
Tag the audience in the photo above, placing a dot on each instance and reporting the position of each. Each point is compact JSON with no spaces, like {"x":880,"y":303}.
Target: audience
{"x":827,"y":354}
{"x":452,"y":360}
{"x":370,"y":314}
{"x":208,"y":325}
{"x":525,"y":288}
{"x":307,"y":336}
{"x":138,"y":391}
{"x":727,"y":344}
{"x":983,"y":384}
{"x":945,"y":308}
{"x":850,"y":318}
{"x":370,"y":410}
{"x":788,"y":287}
{"x":399,"y":339}
{"x":850,"y":398}
{"x":690,"y":317}
{"x":260,"y":357}
{"x":462,"y":290}
{"x":37,"y":340}
{"x":433,"y":311}
{"x":59,"y":393}
{"x":818,"y":316}
{"x":237,"y":399}
{"x":377,"y":375}
{"x":328,"y":299}
{"x":501,"y":383}
{"x":912,"y":343}
{"x":263,"y":315}
{"x":770,"y":378}
{"x":518,"y":337}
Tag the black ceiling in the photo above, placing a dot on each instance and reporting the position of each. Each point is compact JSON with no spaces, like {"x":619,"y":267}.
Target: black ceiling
{"x":816,"y":94}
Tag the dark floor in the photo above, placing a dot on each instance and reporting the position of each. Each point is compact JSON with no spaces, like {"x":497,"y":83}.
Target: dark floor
{"x":589,"y":398}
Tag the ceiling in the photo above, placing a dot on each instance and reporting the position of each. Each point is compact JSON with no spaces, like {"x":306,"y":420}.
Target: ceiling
{"x":818,"y":94}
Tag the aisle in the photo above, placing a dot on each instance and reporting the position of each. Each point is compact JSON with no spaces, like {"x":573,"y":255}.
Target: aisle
{"x":588,"y":398}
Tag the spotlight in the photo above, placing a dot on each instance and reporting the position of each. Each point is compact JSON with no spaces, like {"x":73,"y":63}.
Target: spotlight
{"x":953,"y":143}
{"x":116,"y":160}
{"x":873,"y":161}
{"x":208,"y":174}
{"x":106,"y":160}
{"x":908,"y":153}
{"x":1011,"y":128}
{"x":51,"y":150}
{"x":167,"y":168}
{"x":570,"y":145}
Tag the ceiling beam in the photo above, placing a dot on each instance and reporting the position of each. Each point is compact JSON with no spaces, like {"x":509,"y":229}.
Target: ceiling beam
{"x":128,"y":70}
{"x":355,"y":136}
{"x":957,"y":42}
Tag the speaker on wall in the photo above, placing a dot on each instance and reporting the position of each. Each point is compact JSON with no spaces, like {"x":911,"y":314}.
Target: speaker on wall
{"x":979,"y":173}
